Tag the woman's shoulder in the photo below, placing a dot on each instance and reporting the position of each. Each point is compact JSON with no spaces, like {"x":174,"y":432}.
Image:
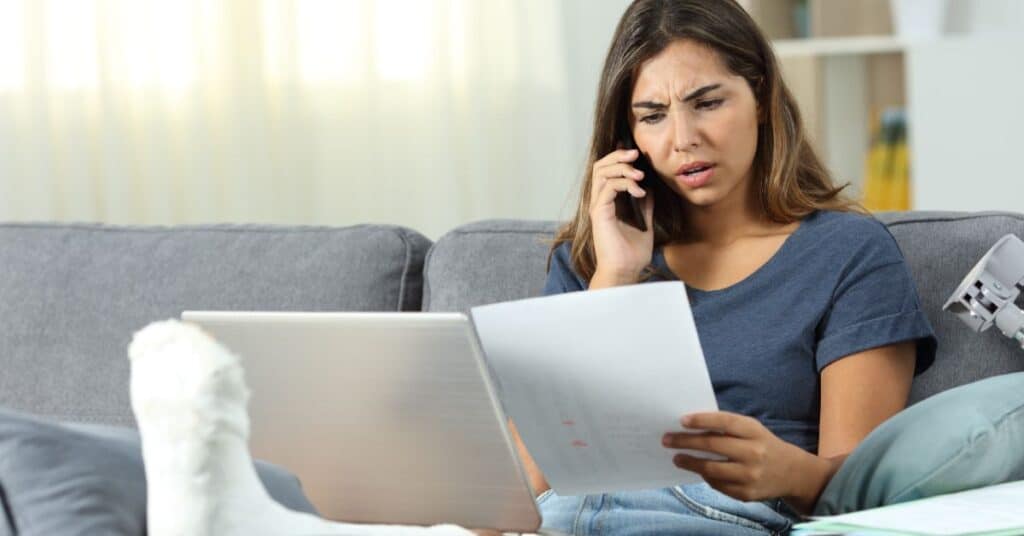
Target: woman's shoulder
{"x":847,"y":227}
{"x":852,"y":233}
{"x":561,"y":255}
{"x":562,"y":277}
{"x":853,"y":223}
{"x":562,"y":261}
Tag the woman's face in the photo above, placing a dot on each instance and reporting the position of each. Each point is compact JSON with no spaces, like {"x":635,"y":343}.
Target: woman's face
{"x":697,"y":122}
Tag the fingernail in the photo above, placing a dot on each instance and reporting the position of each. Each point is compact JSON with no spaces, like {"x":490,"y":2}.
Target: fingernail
{"x":687,"y":420}
{"x":665,"y":439}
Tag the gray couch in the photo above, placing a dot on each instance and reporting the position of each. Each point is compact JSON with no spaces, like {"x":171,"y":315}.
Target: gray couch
{"x":72,"y":295}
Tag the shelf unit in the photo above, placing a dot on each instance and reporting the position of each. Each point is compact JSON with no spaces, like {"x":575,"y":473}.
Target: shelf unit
{"x":842,"y":75}
{"x":842,"y":84}
{"x":960,"y":91}
{"x":838,"y":46}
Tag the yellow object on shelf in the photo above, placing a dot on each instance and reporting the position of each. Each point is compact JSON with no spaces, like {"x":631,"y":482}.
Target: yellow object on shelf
{"x":887,"y":167}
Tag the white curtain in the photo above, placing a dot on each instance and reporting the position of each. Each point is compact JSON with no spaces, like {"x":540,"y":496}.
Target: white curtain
{"x":425,"y":113}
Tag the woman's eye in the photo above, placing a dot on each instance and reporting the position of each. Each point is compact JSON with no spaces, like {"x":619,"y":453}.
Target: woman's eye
{"x":650,"y":119}
{"x":708,"y":104}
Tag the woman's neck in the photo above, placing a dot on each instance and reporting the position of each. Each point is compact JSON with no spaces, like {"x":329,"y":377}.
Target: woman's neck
{"x":725,"y":222}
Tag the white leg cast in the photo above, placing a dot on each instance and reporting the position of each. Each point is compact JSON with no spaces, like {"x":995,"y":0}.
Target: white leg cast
{"x":189,"y":397}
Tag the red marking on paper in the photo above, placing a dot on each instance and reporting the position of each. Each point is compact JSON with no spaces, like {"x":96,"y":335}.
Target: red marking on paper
{"x":569,"y":422}
{"x":579,"y":443}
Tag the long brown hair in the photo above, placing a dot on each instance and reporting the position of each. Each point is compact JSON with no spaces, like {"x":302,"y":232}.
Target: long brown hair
{"x":792,"y":182}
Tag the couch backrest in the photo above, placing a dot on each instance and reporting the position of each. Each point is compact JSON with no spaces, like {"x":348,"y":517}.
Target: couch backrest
{"x":499,"y":260}
{"x":72,"y":295}
{"x":940,"y":248}
{"x":486,"y":262}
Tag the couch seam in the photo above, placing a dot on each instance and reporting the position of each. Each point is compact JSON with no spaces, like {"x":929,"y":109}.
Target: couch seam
{"x":425,"y":298}
{"x":405,"y":268}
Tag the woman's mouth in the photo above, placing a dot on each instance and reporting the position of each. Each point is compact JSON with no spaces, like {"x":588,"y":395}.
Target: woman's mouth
{"x":696,"y":175}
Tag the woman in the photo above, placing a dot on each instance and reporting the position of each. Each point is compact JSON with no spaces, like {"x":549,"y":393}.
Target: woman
{"x":809,"y":320}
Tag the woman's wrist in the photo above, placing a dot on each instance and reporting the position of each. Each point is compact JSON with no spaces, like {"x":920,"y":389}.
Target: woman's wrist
{"x":609,"y":278}
{"x":813,"y":473}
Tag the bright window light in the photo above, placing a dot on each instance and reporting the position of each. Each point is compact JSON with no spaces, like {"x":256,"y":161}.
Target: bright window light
{"x":503,"y":41}
{"x":71,"y":55}
{"x":331,"y":39}
{"x":12,"y":45}
{"x":174,"y":43}
{"x":457,"y":49}
{"x":402,"y":38}
{"x":276,"y":46}
{"x":153,"y":43}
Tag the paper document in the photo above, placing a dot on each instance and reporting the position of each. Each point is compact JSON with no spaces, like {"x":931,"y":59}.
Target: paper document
{"x":991,"y":510}
{"x":594,"y":379}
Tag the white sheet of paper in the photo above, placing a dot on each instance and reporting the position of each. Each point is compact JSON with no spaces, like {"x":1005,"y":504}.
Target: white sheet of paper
{"x":594,"y":379}
{"x":988,"y":509}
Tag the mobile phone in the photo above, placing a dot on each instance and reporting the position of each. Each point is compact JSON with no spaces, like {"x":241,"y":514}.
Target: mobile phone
{"x":630,"y":209}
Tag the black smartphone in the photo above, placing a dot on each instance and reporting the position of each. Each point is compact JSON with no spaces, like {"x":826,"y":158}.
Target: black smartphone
{"x":628,"y":208}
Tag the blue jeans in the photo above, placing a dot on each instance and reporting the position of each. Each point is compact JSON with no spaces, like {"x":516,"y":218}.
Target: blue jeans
{"x":695,"y":509}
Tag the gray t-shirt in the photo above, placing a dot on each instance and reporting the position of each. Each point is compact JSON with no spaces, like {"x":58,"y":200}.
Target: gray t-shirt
{"x":838,"y":285}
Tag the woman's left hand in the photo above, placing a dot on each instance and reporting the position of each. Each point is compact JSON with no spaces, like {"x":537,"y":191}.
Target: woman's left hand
{"x":758,"y":464}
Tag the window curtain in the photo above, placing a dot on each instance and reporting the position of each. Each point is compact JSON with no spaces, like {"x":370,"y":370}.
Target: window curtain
{"x":425,"y":113}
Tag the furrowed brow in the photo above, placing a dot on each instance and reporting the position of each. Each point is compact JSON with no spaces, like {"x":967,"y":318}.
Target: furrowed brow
{"x":650,"y":105}
{"x":696,"y":94}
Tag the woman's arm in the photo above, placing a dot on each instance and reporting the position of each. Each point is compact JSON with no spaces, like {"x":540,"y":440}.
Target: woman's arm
{"x":858,"y":392}
{"x":533,"y":473}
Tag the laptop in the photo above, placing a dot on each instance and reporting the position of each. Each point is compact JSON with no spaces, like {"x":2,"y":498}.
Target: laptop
{"x":384,"y":417}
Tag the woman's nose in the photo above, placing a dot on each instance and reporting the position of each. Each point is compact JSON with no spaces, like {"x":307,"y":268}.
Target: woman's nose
{"x":686,"y":136}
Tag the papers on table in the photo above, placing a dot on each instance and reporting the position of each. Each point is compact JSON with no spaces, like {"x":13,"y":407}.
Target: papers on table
{"x":991,"y":510}
{"x":594,"y":379}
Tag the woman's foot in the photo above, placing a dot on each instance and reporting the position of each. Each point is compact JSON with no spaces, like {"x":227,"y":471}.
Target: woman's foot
{"x":189,"y":397}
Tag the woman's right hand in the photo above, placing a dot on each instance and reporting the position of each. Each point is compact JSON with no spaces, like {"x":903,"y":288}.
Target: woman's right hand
{"x":622,"y":250}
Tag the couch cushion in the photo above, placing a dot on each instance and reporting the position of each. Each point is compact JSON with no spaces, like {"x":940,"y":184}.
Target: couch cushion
{"x":486,"y":262}
{"x":940,"y":248}
{"x":499,"y":260}
{"x":73,"y":478}
{"x":72,"y":295}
